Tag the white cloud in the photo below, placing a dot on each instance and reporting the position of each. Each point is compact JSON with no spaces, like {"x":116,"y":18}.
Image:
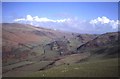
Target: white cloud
{"x":40,"y":19}
{"x":115,"y":24}
{"x":63,"y":20}
{"x":101,"y":20}
{"x":29,"y":18}
{"x":105,"y":20}
{"x":44,"y":19}
{"x":21,"y":19}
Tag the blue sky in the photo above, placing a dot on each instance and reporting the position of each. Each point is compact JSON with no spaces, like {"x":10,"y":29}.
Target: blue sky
{"x":75,"y":12}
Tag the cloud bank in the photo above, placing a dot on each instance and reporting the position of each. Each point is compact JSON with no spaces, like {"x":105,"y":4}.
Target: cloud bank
{"x":99,"y":25}
{"x":38,"y":19}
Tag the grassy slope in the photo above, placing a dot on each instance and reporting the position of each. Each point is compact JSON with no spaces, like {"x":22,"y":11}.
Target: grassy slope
{"x":21,"y":69}
{"x":99,"y":68}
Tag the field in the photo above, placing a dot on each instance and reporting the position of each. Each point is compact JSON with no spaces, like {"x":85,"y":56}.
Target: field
{"x":99,"y":68}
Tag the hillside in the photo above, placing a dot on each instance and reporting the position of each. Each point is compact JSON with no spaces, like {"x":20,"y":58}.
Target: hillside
{"x":23,"y":42}
{"x":105,"y":45}
{"x":28,"y":49}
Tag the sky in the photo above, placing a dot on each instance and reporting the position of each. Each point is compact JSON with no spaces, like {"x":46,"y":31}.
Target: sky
{"x":80,"y":17}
